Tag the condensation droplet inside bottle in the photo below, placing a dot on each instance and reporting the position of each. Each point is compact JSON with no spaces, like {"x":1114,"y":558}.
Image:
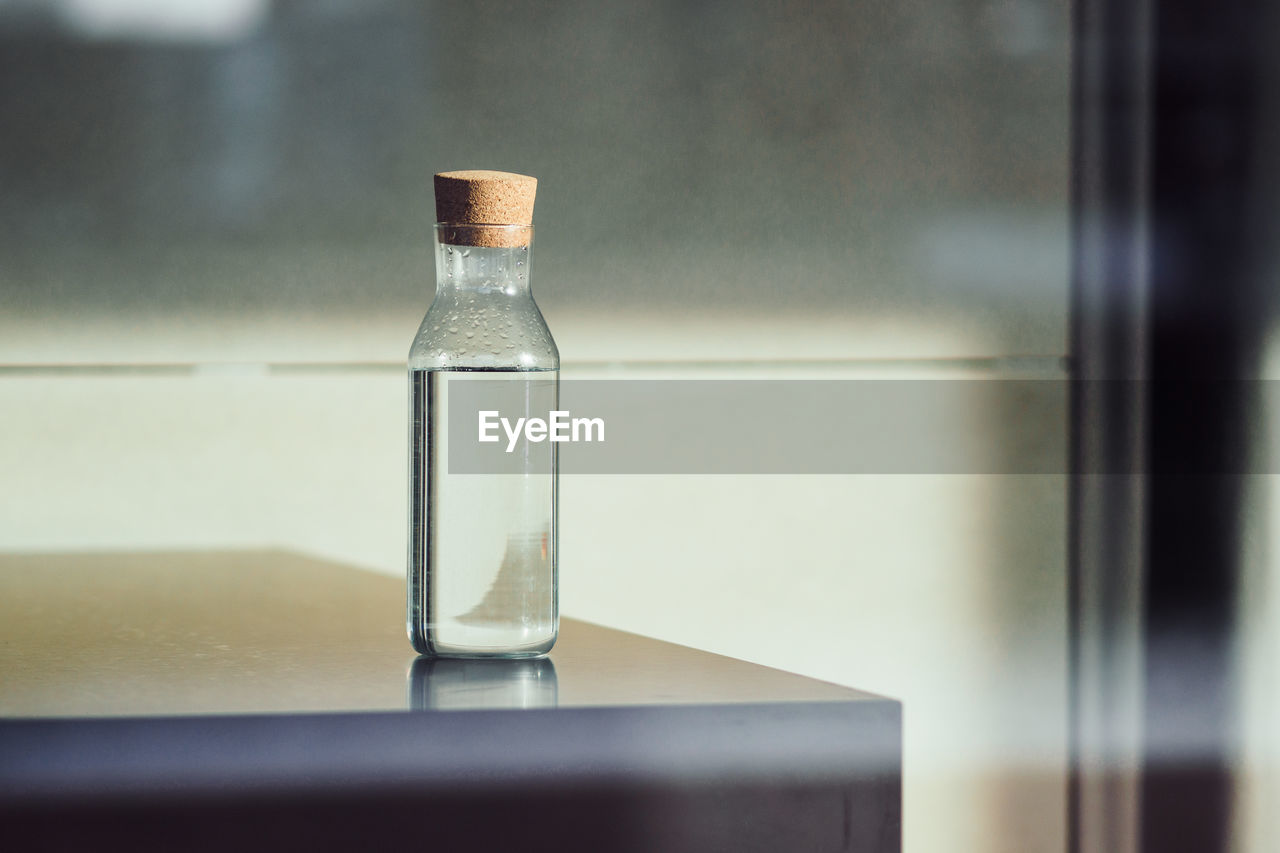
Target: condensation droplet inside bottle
{"x":471,"y":334}
{"x":453,"y":329}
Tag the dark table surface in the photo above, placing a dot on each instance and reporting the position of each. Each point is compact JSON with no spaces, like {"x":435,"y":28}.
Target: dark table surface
{"x":234,"y":693}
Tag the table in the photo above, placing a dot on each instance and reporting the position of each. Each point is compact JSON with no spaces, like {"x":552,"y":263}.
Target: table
{"x":213,"y":700}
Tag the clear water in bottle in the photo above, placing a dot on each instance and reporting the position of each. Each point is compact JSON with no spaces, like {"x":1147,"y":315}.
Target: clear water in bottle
{"x":482,"y":547}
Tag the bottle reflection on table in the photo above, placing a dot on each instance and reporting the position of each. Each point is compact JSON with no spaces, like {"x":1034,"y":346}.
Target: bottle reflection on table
{"x":456,"y":684}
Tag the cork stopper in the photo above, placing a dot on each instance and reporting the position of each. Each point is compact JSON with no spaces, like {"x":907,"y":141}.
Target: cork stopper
{"x":481,"y":197}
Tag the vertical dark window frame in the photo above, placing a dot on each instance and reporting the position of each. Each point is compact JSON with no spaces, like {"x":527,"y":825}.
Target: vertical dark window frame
{"x":1172,"y":197}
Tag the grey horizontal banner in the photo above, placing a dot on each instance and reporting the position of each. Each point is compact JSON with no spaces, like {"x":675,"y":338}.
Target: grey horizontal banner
{"x":788,"y":426}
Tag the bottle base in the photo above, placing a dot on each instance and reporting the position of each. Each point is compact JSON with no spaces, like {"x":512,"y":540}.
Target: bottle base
{"x":429,"y":646}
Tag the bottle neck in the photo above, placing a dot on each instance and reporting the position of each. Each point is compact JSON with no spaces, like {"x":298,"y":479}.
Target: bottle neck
{"x":488,"y":260}
{"x":483,"y":270}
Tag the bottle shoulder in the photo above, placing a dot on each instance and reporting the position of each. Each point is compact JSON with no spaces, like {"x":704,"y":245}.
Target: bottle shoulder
{"x":461,"y":333}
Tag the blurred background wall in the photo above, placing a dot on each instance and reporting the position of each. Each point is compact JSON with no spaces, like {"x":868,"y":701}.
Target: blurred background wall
{"x":215,"y":249}
{"x":890,"y":164}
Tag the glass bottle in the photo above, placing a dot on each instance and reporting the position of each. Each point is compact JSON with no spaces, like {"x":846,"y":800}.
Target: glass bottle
{"x":482,"y":576}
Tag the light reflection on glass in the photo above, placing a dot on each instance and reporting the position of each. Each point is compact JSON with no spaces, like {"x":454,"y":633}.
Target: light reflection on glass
{"x":163,"y":20}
